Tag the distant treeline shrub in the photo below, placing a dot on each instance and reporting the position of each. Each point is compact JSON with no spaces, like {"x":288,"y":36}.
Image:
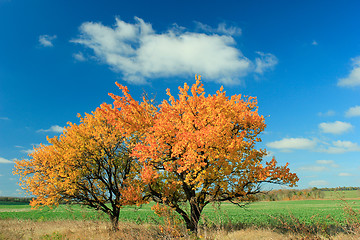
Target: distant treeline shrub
{"x":338,"y":189}
{"x":15,"y":199}
{"x":291,"y":194}
{"x":300,"y":194}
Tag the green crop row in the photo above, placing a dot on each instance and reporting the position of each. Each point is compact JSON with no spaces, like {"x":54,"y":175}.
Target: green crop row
{"x":329,"y":212}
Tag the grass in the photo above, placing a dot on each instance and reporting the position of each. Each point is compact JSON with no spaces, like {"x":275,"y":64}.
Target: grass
{"x":75,"y":212}
{"x":70,"y":229}
{"x":350,"y":194}
{"x":259,"y":213}
{"x":301,"y":218}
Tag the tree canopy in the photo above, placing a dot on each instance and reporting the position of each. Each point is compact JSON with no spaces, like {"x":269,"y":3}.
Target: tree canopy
{"x":195,"y":149}
{"x":89,"y":163}
{"x":201,"y":149}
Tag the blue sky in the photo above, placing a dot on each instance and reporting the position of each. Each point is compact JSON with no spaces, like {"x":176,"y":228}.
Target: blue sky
{"x":300,"y":58}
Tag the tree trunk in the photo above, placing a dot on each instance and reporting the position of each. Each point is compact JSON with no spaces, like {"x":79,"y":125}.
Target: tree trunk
{"x":191,"y":221}
{"x":114,"y":218}
{"x":195,"y":212}
{"x":192,"y":226}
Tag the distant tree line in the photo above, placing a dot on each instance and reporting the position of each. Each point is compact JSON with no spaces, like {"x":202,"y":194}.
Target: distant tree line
{"x":291,"y":194}
{"x":300,"y":194}
{"x":15,"y":199}
{"x":338,"y":189}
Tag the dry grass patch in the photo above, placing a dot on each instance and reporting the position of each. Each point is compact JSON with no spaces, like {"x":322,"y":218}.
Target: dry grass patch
{"x":254,"y":234}
{"x":67,"y":229}
{"x":79,"y":230}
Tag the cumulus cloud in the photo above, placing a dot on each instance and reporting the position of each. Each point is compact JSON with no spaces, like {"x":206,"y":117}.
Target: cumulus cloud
{"x":318,"y":183}
{"x":46,"y":40}
{"x":221,"y":29}
{"x":353,"y":112}
{"x":3,"y":160}
{"x":342,"y":147}
{"x":27,"y":151}
{"x":343,"y":174}
{"x":327,"y":114}
{"x":353,"y":79}
{"x":313,"y":168}
{"x":139,"y":53}
{"x":337,"y":127}
{"x":322,"y":166}
{"x":55,"y":128}
{"x":79,"y":57}
{"x":288,"y":144}
{"x":330,"y":163}
{"x":334,"y":147}
{"x":265,"y":61}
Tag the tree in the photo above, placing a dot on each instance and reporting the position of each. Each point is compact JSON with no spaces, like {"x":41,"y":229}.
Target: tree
{"x":89,"y":163}
{"x":201,"y":149}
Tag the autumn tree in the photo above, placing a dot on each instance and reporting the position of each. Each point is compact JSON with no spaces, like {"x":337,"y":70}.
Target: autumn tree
{"x":200,"y":149}
{"x":89,"y":163}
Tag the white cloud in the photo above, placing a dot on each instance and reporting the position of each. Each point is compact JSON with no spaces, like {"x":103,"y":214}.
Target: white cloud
{"x":221,"y":29}
{"x":335,"y":127}
{"x":28,"y":151}
{"x":314,"y":168}
{"x":320,"y":167}
{"x":353,"y":79}
{"x":288,"y":144}
{"x":4,"y":118}
{"x":335,"y":147}
{"x":46,"y":40}
{"x":342,"y":147}
{"x":315,"y":43}
{"x":79,"y":57}
{"x":3,"y":160}
{"x":327,"y":114}
{"x":55,"y":128}
{"x":139,"y":53}
{"x":266,"y":61}
{"x":318,"y":183}
{"x":330,"y":163}
{"x":343,"y":174}
{"x":353,"y":112}
{"x":270,"y":154}
{"x":345,"y":144}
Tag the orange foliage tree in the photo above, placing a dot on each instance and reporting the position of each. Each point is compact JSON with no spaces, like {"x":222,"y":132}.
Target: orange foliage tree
{"x":89,"y":163}
{"x":199,"y":149}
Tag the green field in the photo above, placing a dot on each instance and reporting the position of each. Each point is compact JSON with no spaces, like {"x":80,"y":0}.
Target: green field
{"x":329,"y":212}
{"x":351,"y":194}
